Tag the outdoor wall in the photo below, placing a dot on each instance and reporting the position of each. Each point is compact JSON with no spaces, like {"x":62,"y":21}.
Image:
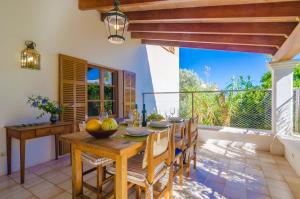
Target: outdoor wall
{"x":57,"y":26}
{"x":164,"y":68}
{"x":259,"y":139}
{"x":292,"y":151}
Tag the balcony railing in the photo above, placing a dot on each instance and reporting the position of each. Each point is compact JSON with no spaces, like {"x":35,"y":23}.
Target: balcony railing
{"x":232,"y":108}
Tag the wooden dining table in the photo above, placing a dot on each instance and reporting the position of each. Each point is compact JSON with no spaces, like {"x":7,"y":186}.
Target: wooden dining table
{"x":117,"y":149}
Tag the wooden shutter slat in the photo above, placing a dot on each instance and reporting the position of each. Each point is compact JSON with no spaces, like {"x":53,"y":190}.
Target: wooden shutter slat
{"x":73,"y":89}
{"x":129,"y":79}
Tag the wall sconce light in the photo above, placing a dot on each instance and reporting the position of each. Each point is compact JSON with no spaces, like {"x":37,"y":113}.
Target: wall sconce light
{"x":30,"y":57}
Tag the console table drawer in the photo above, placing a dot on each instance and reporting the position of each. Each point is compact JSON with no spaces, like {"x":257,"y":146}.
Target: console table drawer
{"x":28,"y":134}
{"x":43,"y":132}
{"x":58,"y":130}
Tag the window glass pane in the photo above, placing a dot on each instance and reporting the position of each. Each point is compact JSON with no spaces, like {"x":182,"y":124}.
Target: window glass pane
{"x":110,"y":107}
{"x":93,"y":77}
{"x":108,"y":93}
{"x":93,"y":92}
{"x":108,"y":78}
{"x":93,"y":108}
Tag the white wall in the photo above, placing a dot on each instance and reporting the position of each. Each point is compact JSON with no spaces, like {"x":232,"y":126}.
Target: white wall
{"x":164,"y":68}
{"x":260,"y":139}
{"x":292,"y":151}
{"x":57,"y":26}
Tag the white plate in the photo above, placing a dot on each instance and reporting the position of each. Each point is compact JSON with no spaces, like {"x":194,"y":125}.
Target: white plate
{"x":128,"y":121}
{"x":175,"y":119}
{"x":160,"y":124}
{"x":137,"y":131}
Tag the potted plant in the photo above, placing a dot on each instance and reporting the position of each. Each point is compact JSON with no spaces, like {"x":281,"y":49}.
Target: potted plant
{"x":46,"y":105}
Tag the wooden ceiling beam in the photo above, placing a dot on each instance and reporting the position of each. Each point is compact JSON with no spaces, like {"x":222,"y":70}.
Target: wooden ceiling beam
{"x":254,"y":40}
{"x":220,"y":20}
{"x":138,"y":5}
{"x":278,"y":29}
{"x":290,"y":48}
{"x":225,"y":47}
{"x":262,"y":10}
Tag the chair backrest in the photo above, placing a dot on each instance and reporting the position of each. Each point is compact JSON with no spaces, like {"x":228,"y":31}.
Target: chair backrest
{"x":177,"y":139}
{"x":192,"y":130}
{"x":158,"y":149}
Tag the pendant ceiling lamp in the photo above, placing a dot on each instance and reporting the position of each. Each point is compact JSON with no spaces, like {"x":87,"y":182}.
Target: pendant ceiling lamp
{"x":116,"y":24}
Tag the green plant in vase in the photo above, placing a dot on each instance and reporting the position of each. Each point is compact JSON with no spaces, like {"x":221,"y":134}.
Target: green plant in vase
{"x":155,"y":117}
{"x":46,"y":105}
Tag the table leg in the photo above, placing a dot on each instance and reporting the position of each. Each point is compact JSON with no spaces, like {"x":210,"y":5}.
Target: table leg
{"x":121,"y":178}
{"x":76,"y":173}
{"x":171,"y":180}
{"x":56,"y":146}
{"x":22,"y":160}
{"x":8,"y":151}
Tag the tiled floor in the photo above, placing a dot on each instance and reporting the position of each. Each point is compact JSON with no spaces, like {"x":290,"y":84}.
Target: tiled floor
{"x":224,"y":170}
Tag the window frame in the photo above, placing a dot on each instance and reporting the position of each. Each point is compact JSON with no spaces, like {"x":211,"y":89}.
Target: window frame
{"x":114,"y":85}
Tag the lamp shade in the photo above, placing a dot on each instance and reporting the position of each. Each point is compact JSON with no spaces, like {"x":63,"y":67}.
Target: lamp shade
{"x":116,"y":24}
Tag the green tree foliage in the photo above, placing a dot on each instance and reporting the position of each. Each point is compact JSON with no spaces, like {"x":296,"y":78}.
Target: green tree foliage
{"x":232,"y":108}
{"x":189,"y":81}
{"x":266,"y":80}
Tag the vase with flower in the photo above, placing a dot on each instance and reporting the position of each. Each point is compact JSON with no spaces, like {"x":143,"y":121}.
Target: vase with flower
{"x":46,"y":105}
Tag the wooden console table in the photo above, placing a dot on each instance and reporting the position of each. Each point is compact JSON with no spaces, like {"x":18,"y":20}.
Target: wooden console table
{"x":31,"y":131}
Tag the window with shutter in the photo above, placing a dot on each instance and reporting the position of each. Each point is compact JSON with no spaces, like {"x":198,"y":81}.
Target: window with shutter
{"x":73,"y":89}
{"x":102,"y":91}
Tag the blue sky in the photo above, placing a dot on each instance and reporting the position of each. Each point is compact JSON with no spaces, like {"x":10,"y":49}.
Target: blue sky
{"x":223,"y":64}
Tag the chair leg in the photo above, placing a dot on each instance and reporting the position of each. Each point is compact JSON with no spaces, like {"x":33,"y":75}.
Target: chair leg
{"x":188,"y":167}
{"x":100,"y":172}
{"x":138,"y":191}
{"x":148,"y":193}
{"x":167,"y":195}
{"x":181,"y":170}
{"x":195,"y":158}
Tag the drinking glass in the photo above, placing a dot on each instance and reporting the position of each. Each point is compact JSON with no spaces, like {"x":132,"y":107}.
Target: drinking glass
{"x":172,"y":111}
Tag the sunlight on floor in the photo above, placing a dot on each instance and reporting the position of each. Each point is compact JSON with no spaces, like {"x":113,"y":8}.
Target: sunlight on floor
{"x":225,"y":169}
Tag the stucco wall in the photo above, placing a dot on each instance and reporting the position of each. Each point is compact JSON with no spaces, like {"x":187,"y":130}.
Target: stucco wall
{"x":165,"y":78}
{"x":57,"y":26}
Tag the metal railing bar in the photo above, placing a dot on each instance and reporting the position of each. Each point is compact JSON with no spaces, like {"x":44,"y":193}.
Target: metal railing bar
{"x":208,"y":91}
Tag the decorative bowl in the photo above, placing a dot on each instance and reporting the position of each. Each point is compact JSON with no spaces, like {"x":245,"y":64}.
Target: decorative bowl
{"x":102,"y":134}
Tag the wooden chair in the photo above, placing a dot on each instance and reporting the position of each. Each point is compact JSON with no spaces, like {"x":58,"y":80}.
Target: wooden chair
{"x":99,"y":165}
{"x":191,"y":144}
{"x":147,"y":171}
{"x":178,"y":147}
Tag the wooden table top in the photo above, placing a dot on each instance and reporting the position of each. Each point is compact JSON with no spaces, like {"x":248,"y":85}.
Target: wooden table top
{"x":114,"y":146}
{"x":26,"y":127}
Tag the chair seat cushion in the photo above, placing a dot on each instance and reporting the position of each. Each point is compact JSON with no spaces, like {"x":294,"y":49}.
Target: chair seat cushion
{"x":96,"y":160}
{"x":135,"y":172}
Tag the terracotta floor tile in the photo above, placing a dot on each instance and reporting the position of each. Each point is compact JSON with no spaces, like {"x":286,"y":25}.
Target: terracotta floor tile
{"x":66,"y":186}
{"x":277,"y":184}
{"x":277,"y":193}
{"x":5,"y":183}
{"x":15,"y":192}
{"x":45,"y":190}
{"x":258,"y":188}
{"x":40,"y":169}
{"x":255,"y":195}
{"x":64,"y":195}
{"x":235,"y":190}
{"x":55,"y":176}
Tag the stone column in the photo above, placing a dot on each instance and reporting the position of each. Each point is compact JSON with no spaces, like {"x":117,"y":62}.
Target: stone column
{"x":282,"y":101}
